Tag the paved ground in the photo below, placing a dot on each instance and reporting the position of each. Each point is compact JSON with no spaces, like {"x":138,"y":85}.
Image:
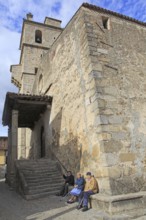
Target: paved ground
{"x":14,"y":207}
{"x":2,"y":171}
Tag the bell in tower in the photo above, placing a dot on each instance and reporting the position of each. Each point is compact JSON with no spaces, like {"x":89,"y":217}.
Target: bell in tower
{"x":38,"y":36}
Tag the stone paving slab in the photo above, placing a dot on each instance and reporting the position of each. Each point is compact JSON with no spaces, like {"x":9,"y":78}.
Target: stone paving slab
{"x":14,"y":207}
{"x":2,"y":171}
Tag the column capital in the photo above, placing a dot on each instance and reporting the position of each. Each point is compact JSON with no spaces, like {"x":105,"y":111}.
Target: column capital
{"x":15,"y":111}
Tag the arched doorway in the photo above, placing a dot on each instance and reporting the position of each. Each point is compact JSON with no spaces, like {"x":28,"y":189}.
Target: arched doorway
{"x":42,"y":154}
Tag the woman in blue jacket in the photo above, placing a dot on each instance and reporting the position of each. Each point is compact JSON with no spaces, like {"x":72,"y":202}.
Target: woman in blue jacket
{"x":78,"y":188}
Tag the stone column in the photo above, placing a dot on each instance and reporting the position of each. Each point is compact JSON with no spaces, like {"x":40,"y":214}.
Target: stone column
{"x":23,"y":143}
{"x":8,"y":169}
{"x":14,"y":146}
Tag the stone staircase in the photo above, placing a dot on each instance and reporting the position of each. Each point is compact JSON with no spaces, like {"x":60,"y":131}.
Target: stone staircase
{"x":38,"y":178}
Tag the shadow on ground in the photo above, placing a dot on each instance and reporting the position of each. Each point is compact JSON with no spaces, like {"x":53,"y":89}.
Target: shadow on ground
{"x":14,"y":207}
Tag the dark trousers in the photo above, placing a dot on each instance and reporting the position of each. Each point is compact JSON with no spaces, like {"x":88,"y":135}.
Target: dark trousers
{"x":84,"y":197}
{"x":64,"y":189}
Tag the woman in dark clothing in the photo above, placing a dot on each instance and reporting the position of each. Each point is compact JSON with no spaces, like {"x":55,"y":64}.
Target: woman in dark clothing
{"x":78,"y":188}
{"x":69,"y":181}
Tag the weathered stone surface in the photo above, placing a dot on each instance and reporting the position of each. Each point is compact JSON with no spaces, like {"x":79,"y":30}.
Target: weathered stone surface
{"x":97,"y":80}
{"x":115,"y":119}
{"x":112,"y":146}
{"x":127,"y":157}
{"x":101,"y":50}
{"x":122,"y":203}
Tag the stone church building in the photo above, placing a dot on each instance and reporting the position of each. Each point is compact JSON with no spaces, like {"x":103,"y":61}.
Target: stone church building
{"x":81,"y":102}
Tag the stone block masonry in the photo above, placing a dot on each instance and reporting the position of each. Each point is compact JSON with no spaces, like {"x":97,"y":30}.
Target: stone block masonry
{"x":97,"y":117}
{"x":68,"y":59}
{"x":95,"y":72}
{"x":119,"y":79}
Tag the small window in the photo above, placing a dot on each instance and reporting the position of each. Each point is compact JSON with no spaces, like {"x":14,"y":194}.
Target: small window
{"x":106,"y":23}
{"x":38,"y":36}
{"x":35,"y":70}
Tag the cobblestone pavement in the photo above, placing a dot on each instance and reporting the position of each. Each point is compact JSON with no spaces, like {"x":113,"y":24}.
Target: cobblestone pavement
{"x":14,"y":207}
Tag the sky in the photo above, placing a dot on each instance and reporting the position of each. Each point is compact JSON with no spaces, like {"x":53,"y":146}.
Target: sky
{"x":12,"y":13}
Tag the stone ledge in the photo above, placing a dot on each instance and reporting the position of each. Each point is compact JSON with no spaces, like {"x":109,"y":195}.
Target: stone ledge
{"x":107,"y":198}
{"x":119,"y":203}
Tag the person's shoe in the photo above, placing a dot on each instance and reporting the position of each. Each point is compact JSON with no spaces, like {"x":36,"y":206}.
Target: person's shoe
{"x":79,"y":207}
{"x":85,"y":209}
{"x":69,"y":202}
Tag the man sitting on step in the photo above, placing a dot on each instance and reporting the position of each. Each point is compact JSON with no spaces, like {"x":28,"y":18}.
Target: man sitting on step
{"x":91,"y":187}
{"x":69,"y":183}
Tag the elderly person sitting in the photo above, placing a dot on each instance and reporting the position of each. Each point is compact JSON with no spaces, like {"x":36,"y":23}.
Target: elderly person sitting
{"x":69,"y":182}
{"x":78,"y":188}
{"x":91,"y":187}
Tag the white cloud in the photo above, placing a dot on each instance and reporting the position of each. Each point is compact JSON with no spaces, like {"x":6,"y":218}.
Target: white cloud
{"x":12,"y":10}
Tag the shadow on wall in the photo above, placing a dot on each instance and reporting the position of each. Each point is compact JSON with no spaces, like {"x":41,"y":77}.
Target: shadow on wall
{"x":60,"y":142}
{"x":65,"y":145}
{"x":40,"y":137}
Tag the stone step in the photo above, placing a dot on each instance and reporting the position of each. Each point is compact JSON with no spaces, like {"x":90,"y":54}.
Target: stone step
{"x":38,"y":167}
{"x":37,"y":164}
{"x":43,"y":189}
{"x":48,"y":187}
{"x":45,"y":181}
{"x":37,"y":161}
{"x":43,"y":185}
{"x":40,"y":171}
{"x":33,"y":163}
{"x":40,"y":195}
{"x":41,"y":175}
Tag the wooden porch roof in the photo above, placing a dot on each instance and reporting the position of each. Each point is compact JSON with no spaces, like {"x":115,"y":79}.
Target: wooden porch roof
{"x":29,"y":106}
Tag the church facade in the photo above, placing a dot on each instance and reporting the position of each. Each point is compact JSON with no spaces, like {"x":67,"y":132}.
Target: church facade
{"x":93,"y":73}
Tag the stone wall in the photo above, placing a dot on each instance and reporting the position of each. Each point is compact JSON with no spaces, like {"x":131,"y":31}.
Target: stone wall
{"x":31,"y":58}
{"x":96,"y":78}
{"x":49,"y":34}
{"x":119,"y":61}
{"x":35,"y":150}
{"x":65,"y":72}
